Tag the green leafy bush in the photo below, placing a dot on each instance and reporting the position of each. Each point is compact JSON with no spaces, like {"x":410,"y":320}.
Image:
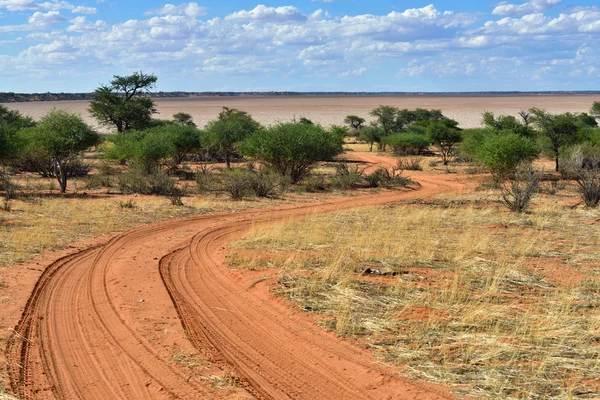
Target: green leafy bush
{"x":502,"y":154}
{"x":292,"y":149}
{"x":407,"y":143}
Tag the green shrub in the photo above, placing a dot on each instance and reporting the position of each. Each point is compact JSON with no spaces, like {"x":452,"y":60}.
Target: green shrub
{"x":407,"y":143}
{"x":292,"y":149}
{"x":472,"y":139}
{"x":503,"y":153}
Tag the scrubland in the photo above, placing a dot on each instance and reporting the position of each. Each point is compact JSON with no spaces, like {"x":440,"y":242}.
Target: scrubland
{"x":456,"y":290}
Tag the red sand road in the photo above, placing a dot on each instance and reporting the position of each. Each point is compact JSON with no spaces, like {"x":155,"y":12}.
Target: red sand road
{"x":77,"y":337}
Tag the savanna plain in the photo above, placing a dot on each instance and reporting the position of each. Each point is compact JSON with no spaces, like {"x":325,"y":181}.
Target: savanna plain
{"x":465,"y":267}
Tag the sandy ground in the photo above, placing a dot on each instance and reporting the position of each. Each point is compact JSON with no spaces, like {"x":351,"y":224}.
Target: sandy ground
{"x":332,"y":110}
{"x":100,"y":321}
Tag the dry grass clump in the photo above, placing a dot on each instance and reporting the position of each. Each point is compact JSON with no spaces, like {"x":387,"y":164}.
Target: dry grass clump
{"x":493,"y":304}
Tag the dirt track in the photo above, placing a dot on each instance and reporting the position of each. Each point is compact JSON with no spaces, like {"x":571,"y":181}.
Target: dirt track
{"x":84,"y":333}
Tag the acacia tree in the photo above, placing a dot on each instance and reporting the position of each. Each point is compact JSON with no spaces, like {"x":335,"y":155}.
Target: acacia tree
{"x":386,"y":120}
{"x":560,"y":130}
{"x":232,"y":127}
{"x":63,"y":134}
{"x":354,"y":121}
{"x":123,"y":104}
{"x":445,"y":139}
{"x":183,"y":119}
{"x":526,"y":117}
{"x":14,"y":119}
{"x":371,"y":135}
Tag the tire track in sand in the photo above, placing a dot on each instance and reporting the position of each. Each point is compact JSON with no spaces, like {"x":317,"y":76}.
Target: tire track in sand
{"x":73,"y":340}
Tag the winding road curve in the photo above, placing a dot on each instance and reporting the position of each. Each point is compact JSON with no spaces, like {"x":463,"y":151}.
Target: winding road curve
{"x":78,"y":339}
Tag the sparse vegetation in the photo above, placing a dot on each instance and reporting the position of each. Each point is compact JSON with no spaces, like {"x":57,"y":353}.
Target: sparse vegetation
{"x":466,"y":296}
{"x":464,"y":293}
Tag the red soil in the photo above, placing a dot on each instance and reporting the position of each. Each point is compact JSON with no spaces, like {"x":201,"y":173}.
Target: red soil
{"x":101,"y":323}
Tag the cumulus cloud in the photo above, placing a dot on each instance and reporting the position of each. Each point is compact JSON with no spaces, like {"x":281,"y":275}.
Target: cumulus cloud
{"x":38,"y":20}
{"x":272,"y":41}
{"x":540,"y":24}
{"x":81,"y":24}
{"x":268,"y":14}
{"x":529,"y":7}
{"x":189,"y":9}
{"x":55,"y":5}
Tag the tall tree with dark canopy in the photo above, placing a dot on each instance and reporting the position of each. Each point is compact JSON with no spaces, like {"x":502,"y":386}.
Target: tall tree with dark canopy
{"x":354,"y":121}
{"x":123,"y":103}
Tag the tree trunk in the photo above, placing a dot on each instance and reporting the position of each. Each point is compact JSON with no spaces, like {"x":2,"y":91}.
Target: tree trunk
{"x":61,"y":175}
{"x":227,"y":161}
{"x":556,"y":161}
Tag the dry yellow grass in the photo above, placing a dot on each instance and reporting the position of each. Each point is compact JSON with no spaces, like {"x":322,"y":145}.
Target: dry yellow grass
{"x":493,"y":304}
{"x":34,"y":224}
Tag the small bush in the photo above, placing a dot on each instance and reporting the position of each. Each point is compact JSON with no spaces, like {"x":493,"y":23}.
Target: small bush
{"x":133,"y":181}
{"x":175,"y":196}
{"x":8,"y":187}
{"x":583,"y":165}
{"x":98,"y":181}
{"x":346,"y":178}
{"x":292,"y":149}
{"x":411,"y":164}
{"x":106,"y":169}
{"x":403,"y":144}
{"x":235,"y":182}
{"x":76,"y":168}
{"x":519,"y":188}
{"x":502,"y":154}
{"x":158,"y":183}
{"x":127,"y":204}
{"x":265,"y":183}
{"x":383,"y":177}
{"x":315,"y":183}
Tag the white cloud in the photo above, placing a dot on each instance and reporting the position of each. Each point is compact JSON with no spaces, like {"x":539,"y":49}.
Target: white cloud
{"x":55,"y":5}
{"x":268,"y":14}
{"x":353,"y":72}
{"x":81,"y":24}
{"x":189,"y":9}
{"x":38,"y":20}
{"x":276,"y":40}
{"x":539,"y":24}
{"x":84,"y":10}
{"x":529,"y":7}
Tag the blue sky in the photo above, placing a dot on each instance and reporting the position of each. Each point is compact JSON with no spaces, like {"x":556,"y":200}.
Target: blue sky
{"x":302,"y":45}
